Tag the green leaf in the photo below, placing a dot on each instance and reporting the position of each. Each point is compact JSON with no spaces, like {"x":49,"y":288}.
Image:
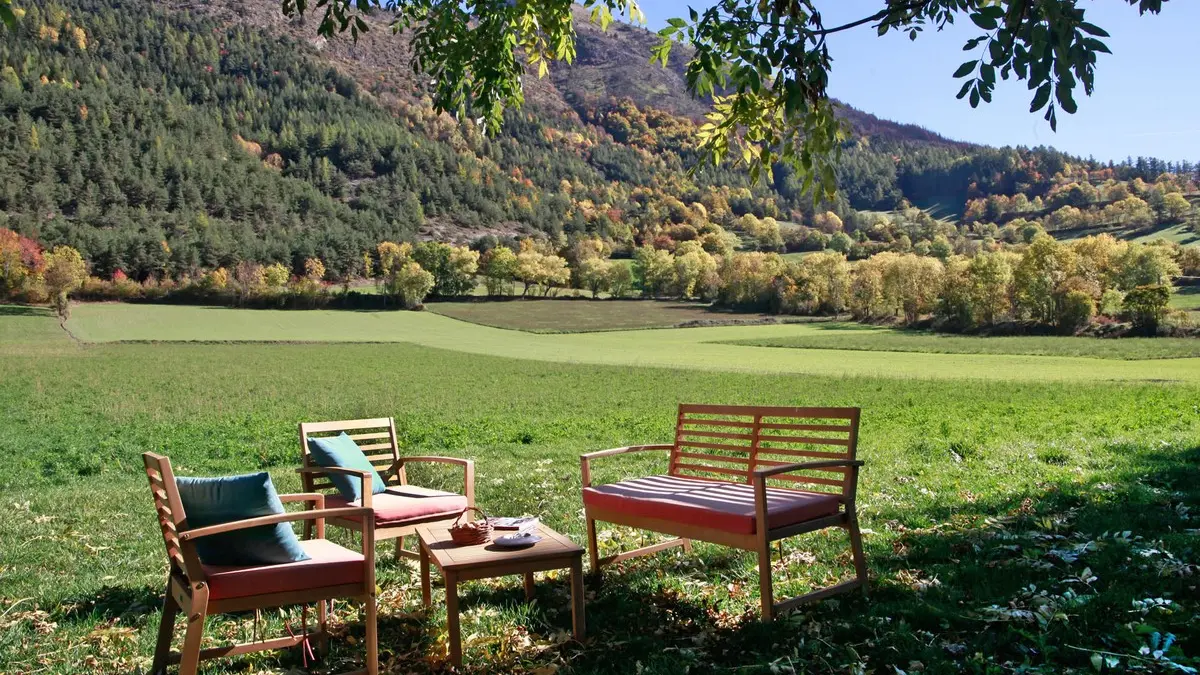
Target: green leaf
{"x":966,"y":69}
{"x":7,"y":15}
{"x":1063,"y":93}
{"x":1095,"y":45}
{"x":1040,"y":98}
{"x":996,"y":51}
{"x":984,"y":21}
{"x":1093,"y":29}
{"x":975,"y":98}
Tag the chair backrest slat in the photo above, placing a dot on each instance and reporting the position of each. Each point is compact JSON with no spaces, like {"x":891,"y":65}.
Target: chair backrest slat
{"x":730,"y":442}
{"x":382,"y":429}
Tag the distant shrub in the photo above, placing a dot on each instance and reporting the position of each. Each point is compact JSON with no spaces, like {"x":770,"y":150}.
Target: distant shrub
{"x":1075,"y":311}
{"x":1146,"y":306}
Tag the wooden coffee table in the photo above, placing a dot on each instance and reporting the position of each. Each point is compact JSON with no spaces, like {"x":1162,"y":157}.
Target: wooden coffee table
{"x":484,"y":561}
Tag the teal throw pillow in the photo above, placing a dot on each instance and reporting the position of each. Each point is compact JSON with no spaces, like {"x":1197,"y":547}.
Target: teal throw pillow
{"x":342,"y":451}
{"x":213,"y":501}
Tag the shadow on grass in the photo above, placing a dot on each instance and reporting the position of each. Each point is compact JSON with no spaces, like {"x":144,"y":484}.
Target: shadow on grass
{"x":1032,"y":582}
{"x":25,"y":310}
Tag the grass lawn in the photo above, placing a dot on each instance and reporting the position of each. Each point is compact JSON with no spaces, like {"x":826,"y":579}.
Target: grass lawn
{"x":1186,"y":297}
{"x":1011,"y":525}
{"x":691,"y":348}
{"x":583,"y":315}
{"x":869,"y":338}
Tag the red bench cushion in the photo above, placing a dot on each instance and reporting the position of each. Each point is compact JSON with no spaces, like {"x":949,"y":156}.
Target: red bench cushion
{"x":328,"y":565}
{"x":728,"y":507}
{"x":391,"y":509}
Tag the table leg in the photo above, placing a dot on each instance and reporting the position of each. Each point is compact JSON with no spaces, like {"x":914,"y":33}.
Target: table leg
{"x":426,"y":595}
{"x":452,"y":632}
{"x":529,"y":585}
{"x":578,"y":621}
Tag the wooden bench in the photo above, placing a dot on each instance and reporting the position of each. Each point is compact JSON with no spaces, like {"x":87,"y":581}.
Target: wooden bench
{"x":744,"y":477}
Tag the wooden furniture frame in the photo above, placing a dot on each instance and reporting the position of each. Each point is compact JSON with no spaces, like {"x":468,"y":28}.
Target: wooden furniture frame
{"x":188,"y":591}
{"x":377,"y":439}
{"x":751,"y":446}
{"x":484,"y":561}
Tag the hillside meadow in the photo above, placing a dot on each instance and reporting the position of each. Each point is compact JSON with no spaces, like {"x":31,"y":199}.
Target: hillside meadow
{"x":1016,"y":522}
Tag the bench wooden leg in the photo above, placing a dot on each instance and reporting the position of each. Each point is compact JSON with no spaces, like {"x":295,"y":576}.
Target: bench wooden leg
{"x":766,"y":591}
{"x":856,"y":548}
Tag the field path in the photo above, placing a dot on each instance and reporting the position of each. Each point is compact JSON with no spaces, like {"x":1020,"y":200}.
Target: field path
{"x":690,"y":348}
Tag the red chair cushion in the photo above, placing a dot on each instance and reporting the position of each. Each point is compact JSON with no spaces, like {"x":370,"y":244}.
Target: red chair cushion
{"x":391,"y":509}
{"x":328,"y":565}
{"x":728,"y":507}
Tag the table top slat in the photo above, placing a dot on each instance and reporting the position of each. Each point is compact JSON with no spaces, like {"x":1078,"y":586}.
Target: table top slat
{"x":447,"y":555}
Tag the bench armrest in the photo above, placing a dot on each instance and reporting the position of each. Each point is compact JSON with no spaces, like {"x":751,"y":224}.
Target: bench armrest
{"x":761,"y":476}
{"x":467,"y":465}
{"x":585,"y":459}
{"x":802,"y":466}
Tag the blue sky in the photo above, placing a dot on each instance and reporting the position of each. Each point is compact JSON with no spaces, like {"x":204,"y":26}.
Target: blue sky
{"x":1145,"y":103}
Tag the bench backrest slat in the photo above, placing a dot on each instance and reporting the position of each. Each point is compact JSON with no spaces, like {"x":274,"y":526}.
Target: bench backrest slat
{"x":729,"y":443}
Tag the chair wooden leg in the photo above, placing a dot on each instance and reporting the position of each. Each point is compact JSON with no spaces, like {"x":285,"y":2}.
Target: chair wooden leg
{"x":189,"y":657}
{"x":399,"y":548}
{"x":856,"y":548}
{"x":323,"y":625}
{"x":593,"y":551}
{"x":687,"y":545}
{"x":765,"y":589}
{"x":372,"y":637}
{"x":166,"y":629}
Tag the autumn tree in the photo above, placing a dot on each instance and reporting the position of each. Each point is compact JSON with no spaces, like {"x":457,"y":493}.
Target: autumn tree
{"x":989,"y":279}
{"x":499,"y":270}
{"x":20,"y":262}
{"x":595,"y":274}
{"x":1175,"y":206}
{"x":64,"y":271}
{"x":654,"y":270}
{"x":620,"y":280}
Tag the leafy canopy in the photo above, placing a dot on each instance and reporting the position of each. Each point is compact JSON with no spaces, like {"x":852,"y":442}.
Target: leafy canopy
{"x":765,"y":64}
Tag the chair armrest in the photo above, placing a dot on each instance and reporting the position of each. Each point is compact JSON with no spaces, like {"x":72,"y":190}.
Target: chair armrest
{"x":362,"y":474}
{"x":434,"y":458}
{"x":317,"y":498}
{"x":585,"y":459}
{"x":366,"y":514}
{"x":467,"y":465}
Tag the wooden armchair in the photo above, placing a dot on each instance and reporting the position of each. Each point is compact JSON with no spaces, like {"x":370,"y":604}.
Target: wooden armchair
{"x":201,"y":590}
{"x":403,"y":507}
{"x":716,"y":486}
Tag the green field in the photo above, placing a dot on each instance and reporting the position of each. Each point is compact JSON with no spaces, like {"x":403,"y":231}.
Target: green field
{"x":585,"y":315}
{"x":1013,"y":524}
{"x":691,"y":348}
{"x":869,"y":338}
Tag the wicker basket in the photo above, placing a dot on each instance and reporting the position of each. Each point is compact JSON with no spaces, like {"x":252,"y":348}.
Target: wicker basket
{"x":471,"y":533}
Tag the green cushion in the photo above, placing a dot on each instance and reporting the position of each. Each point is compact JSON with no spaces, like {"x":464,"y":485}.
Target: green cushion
{"x":342,"y":451}
{"x":213,"y":501}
